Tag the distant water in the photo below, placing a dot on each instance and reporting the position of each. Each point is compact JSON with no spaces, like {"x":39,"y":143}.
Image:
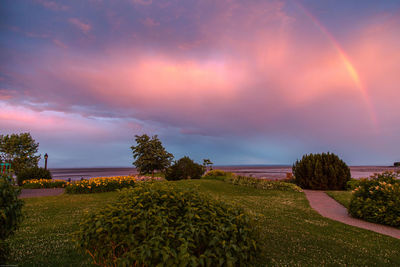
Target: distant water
{"x":271,"y":172}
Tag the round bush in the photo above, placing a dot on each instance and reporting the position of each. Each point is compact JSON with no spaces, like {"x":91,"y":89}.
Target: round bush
{"x":10,"y":213}
{"x":324,"y":171}
{"x":185,"y":168}
{"x":378,"y":199}
{"x":33,"y":173}
{"x":155,"y":224}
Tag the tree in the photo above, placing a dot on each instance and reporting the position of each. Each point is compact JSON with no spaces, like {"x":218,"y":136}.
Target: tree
{"x":20,"y":150}
{"x":150,"y":155}
{"x":184,"y":168}
{"x":206,"y":163}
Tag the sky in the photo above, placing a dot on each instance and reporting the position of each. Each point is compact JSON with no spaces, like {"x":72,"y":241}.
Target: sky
{"x":239,"y":82}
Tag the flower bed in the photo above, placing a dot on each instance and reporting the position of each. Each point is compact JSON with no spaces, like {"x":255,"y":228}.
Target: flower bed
{"x":100,"y":184}
{"x":43,"y":183}
{"x":263,"y":183}
{"x":378,"y":199}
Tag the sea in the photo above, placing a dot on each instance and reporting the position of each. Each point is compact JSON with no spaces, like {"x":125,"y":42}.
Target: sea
{"x":275,"y":172}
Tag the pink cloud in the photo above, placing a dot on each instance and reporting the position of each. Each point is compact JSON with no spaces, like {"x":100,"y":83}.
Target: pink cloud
{"x":59,"y":43}
{"x":84,"y":27}
{"x":142,"y":2}
{"x":149,"y":22}
{"x":52,"y":5}
{"x":14,"y":117}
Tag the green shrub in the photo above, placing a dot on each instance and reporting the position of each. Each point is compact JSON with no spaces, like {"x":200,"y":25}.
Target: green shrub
{"x":324,"y":171}
{"x":217,"y":172}
{"x":33,"y":173}
{"x":397,"y":164}
{"x":354,"y":183}
{"x":184,"y":168}
{"x":100,"y":184}
{"x":218,"y":175}
{"x":378,"y":199}
{"x":10,"y":213}
{"x":157,"y":225}
{"x":263,"y":184}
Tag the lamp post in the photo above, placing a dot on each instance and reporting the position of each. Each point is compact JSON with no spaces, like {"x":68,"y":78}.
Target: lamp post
{"x":45,"y":161}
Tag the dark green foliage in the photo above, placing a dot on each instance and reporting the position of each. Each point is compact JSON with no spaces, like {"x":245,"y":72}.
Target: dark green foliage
{"x":378,"y":199}
{"x":10,"y":214}
{"x":397,"y":164}
{"x":158,"y":225}
{"x":33,"y":173}
{"x":20,"y":149}
{"x":184,"y":168}
{"x":324,"y":171}
{"x":150,"y":155}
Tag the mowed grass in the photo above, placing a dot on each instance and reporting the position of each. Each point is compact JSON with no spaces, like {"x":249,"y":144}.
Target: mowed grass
{"x":343,"y":197}
{"x":291,"y":233}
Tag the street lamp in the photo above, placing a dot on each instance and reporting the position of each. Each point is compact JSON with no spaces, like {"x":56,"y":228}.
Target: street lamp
{"x":45,"y":161}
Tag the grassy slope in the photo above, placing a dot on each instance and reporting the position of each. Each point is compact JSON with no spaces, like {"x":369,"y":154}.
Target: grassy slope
{"x":343,"y":197}
{"x":291,"y":232}
{"x":44,"y":239}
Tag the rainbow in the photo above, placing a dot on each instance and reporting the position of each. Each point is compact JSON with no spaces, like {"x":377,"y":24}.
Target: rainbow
{"x":347,"y":64}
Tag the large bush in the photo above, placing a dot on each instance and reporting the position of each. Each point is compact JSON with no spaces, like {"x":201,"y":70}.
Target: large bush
{"x":157,"y":225}
{"x":10,"y":213}
{"x":378,"y":199}
{"x":33,"y":173}
{"x":324,"y":171}
{"x":184,"y":168}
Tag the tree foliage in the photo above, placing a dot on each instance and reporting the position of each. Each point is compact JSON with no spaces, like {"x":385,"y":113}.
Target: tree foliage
{"x":150,"y":155}
{"x":184,"y":168}
{"x":20,"y":150}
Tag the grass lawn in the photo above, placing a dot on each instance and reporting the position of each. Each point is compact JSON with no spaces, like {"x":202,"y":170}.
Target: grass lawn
{"x":343,"y":197}
{"x":291,"y":232}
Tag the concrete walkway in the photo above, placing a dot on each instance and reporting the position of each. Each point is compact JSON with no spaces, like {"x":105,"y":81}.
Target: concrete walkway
{"x":44,"y":192}
{"x":329,"y":208}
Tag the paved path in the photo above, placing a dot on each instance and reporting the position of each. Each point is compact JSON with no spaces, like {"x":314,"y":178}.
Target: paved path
{"x":26,"y":193}
{"x":328,"y":207}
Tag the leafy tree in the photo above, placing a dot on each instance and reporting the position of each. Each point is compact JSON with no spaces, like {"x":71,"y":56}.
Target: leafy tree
{"x":184,"y":168}
{"x":20,"y":150}
{"x":206,"y":163}
{"x":150,"y":155}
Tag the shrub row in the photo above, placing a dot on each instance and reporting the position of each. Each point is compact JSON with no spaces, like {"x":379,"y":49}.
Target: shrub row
{"x":100,"y":184}
{"x":10,"y":214}
{"x":263,"y":183}
{"x":378,"y":199}
{"x":43,"y":183}
{"x":33,"y":174}
{"x":218,"y":175}
{"x":158,"y":225}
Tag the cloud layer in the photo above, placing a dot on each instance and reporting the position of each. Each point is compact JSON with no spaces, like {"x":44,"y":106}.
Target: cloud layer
{"x":242,"y":83}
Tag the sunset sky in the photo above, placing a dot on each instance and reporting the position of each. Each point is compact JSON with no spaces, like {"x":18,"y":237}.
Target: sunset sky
{"x":239,"y":82}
